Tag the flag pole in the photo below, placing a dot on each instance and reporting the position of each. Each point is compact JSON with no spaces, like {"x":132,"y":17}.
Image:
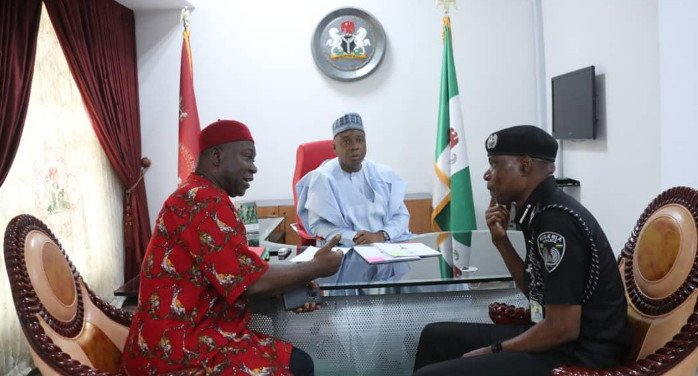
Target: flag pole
{"x":452,"y":198}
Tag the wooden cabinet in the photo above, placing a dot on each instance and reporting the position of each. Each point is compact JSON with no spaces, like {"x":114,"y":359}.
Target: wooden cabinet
{"x":418,"y":204}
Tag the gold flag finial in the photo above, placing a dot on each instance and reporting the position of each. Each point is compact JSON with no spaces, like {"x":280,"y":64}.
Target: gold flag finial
{"x":184,"y":17}
{"x":446,"y":27}
{"x":446,"y":4}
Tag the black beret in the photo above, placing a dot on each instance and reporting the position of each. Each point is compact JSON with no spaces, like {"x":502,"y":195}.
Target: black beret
{"x":522,"y":140}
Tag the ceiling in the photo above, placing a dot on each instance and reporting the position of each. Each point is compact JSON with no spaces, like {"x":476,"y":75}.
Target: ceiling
{"x":137,"y":5}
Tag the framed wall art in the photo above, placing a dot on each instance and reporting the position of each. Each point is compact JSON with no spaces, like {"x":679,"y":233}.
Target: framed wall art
{"x":348,"y":44}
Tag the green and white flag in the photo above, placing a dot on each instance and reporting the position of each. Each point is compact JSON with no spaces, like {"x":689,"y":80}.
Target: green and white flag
{"x":453,"y":194}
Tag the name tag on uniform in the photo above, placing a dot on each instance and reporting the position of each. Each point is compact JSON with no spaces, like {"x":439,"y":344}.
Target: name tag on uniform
{"x":536,"y":311}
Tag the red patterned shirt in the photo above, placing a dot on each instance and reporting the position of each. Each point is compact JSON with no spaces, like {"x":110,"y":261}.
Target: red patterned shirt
{"x":191,"y":311}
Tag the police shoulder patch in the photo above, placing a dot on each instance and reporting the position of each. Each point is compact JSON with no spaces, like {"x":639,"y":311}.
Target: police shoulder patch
{"x":551,"y":246}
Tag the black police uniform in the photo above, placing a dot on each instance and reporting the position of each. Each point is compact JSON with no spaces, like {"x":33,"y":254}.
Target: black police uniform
{"x":568,"y":261}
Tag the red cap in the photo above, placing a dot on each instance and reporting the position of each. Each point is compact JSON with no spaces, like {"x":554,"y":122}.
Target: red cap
{"x":223,"y":131}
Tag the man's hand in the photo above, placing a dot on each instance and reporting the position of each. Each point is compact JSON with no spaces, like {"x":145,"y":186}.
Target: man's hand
{"x":476,"y":352}
{"x":365,"y":237}
{"x":309,"y":306}
{"x":497,"y":218}
{"x":327,"y":259}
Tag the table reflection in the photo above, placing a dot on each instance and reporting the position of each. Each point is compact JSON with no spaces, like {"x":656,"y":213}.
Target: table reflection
{"x":355,"y":269}
{"x":465,"y":257}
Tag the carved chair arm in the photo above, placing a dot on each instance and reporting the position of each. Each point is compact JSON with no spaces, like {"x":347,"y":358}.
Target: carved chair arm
{"x":501,"y":313}
{"x":664,"y":359}
{"x":578,"y":371}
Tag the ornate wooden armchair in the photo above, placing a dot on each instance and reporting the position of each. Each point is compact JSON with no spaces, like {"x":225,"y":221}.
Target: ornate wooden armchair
{"x":659,"y":269}
{"x":69,"y":329}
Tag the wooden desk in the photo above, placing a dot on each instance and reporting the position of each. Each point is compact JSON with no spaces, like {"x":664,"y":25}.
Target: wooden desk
{"x":130,"y":288}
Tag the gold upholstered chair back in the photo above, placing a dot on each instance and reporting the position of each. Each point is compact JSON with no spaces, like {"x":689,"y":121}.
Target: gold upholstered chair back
{"x":70,"y":330}
{"x":659,"y":269}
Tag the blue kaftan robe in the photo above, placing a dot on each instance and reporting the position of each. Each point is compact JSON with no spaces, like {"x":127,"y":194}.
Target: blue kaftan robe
{"x":332,"y":201}
{"x":329,"y":203}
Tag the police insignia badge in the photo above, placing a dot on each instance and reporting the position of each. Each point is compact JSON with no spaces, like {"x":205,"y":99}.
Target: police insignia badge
{"x":551,"y":246}
{"x":491,"y":141}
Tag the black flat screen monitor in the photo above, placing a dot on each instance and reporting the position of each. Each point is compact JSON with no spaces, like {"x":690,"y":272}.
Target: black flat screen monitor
{"x":574,"y":105}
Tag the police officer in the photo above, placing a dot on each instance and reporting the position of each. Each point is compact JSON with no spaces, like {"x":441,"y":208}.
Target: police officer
{"x":576,"y":297}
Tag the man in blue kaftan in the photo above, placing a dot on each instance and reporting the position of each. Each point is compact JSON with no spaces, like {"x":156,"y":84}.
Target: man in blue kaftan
{"x":361,"y":200}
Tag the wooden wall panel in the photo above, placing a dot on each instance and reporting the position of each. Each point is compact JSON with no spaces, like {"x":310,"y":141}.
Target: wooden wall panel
{"x":420,"y":215}
{"x":267,"y":211}
{"x":289,"y":213}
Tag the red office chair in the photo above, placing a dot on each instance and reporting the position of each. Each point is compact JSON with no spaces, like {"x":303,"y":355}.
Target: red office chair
{"x":309,"y":156}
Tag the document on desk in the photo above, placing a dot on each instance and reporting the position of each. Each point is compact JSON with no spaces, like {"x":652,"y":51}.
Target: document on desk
{"x":310,"y":252}
{"x":378,"y":253}
{"x":374,"y":255}
{"x":407,"y":249}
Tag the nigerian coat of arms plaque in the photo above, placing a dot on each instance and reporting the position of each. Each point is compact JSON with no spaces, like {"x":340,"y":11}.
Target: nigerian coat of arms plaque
{"x":348,"y":44}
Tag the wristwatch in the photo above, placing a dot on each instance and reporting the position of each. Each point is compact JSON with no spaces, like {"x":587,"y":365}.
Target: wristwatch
{"x":496,"y":347}
{"x":386,"y":237}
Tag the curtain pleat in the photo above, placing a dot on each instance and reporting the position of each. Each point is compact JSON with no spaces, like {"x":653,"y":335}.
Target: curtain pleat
{"x":19,"y":25}
{"x":98,"y":38}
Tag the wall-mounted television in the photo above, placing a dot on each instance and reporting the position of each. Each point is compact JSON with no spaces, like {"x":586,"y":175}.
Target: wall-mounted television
{"x":574,"y":105}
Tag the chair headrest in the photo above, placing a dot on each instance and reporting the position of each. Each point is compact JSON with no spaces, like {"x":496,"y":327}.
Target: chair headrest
{"x":658,"y":261}
{"x":51,"y":276}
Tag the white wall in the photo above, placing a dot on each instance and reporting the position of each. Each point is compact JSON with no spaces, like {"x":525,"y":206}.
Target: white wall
{"x":678,"y":50}
{"x":252,"y":62}
{"x":620,"y":170}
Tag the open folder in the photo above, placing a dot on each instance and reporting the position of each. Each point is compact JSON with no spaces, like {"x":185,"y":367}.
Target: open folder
{"x":379,"y":253}
{"x":374,"y":255}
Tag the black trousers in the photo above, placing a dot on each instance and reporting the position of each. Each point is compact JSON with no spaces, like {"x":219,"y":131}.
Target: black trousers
{"x":301,"y":364}
{"x":441,"y":346}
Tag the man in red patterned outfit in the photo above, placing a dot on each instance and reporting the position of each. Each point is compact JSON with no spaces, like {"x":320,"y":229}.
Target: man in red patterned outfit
{"x":198,"y":275}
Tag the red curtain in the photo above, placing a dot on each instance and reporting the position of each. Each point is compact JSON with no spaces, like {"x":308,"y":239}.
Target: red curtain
{"x":98,"y":39}
{"x":19,"y":27}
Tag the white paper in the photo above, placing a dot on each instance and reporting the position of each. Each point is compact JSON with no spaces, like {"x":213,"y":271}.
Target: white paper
{"x":310,"y":252}
{"x":407,"y":249}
